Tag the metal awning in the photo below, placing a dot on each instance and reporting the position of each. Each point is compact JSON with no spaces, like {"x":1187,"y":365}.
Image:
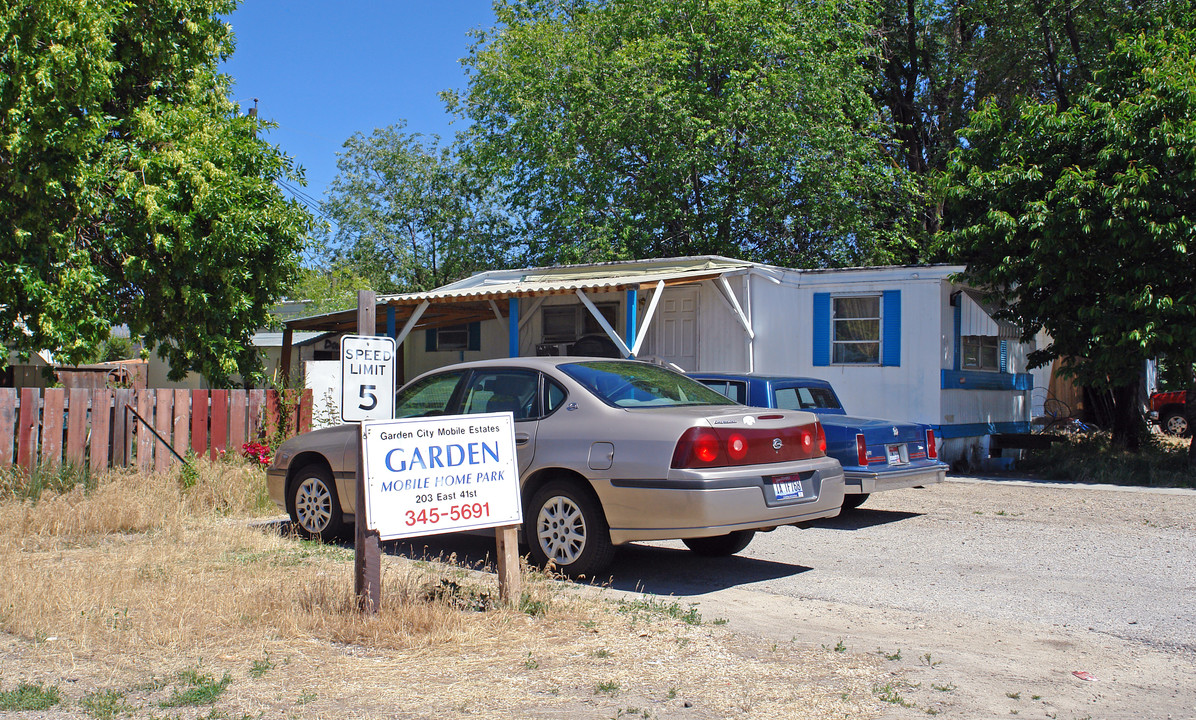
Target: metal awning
{"x":487,"y":295}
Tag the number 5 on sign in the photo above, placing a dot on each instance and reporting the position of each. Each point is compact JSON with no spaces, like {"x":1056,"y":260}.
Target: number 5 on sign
{"x":367,"y":378}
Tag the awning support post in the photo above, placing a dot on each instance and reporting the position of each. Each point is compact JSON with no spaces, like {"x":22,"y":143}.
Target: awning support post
{"x":632,"y":310}
{"x":415,"y":316}
{"x":513,"y":327}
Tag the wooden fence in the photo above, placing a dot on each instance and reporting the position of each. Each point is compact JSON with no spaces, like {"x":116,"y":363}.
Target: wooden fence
{"x":98,"y":429}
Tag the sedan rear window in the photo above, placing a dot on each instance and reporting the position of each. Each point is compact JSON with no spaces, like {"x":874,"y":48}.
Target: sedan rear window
{"x":636,"y":384}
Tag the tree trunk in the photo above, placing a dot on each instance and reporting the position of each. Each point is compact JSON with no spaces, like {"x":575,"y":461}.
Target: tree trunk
{"x":1127,"y":421}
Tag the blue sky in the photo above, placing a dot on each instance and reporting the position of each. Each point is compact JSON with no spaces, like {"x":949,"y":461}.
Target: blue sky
{"x":325,"y":70}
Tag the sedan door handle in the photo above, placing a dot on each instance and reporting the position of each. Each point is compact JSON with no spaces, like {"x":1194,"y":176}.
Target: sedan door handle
{"x":522,"y":438}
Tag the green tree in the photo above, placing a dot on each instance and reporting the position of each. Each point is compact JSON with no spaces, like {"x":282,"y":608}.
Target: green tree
{"x":131,"y":188}
{"x":938,"y":59}
{"x":409,"y":215}
{"x":1082,"y":220}
{"x":329,"y":289}
{"x":623,"y":129}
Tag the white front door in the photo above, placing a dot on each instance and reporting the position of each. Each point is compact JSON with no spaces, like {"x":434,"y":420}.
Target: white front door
{"x":676,"y":338}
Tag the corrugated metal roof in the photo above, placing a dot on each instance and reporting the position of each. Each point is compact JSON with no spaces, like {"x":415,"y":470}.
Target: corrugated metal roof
{"x":527,"y":282}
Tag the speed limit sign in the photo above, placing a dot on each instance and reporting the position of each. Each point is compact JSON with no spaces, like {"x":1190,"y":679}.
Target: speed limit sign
{"x":367,"y":377}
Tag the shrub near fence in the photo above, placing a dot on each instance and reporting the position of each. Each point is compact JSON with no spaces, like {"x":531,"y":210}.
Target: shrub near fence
{"x":98,"y":429}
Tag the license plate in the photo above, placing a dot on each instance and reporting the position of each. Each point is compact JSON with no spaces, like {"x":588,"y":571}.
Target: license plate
{"x":786,"y":489}
{"x":896,"y":454}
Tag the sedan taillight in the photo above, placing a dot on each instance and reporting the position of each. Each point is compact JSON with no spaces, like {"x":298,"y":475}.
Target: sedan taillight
{"x":702,"y":447}
{"x":861,"y":450}
{"x":932,"y":450}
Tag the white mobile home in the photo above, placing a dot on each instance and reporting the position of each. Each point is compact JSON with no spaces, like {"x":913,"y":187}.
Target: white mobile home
{"x":899,"y":342}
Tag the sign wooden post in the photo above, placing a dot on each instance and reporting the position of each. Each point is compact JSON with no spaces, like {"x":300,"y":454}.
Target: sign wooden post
{"x":510,"y":581}
{"x":367,"y":558}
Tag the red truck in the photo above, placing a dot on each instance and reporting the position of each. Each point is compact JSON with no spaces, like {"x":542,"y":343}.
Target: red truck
{"x":1167,"y":409}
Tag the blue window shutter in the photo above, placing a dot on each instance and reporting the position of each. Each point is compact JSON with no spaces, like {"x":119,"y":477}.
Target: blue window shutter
{"x":430,"y":340}
{"x":1004,"y":356}
{"x":958,"y":364}
{"x":475,"y":336}
{"x":822,"y":329}
{"x":890,"y":342}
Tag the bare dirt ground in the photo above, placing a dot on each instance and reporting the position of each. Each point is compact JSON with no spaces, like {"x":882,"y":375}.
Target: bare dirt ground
{"x":986,"y":598}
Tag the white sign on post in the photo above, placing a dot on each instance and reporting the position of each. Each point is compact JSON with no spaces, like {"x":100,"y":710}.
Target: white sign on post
{"x":367,"y":377}
{"x":425,"y":476}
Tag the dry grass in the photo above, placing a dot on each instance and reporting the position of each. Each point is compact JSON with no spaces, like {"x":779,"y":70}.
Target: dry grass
{"x":122,"y":594}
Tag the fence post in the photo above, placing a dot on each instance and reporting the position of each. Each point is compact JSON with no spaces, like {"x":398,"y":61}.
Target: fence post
{"x":53,"y":405}
{"x":256,"y":400}
{"x":76,"y":427}
{"x":181,"y":421}
{"x":238,"y":402}
{"x":27,"y":434}
{"x":121,"y":437}
{"x":101,"y":425}
{"x":163,"y":420}
{"x":219,"y":423}
{"x":145,"y":439}
{"x":8,"y":426}
{"x":273,"y":411}
{"x":199,"y":422}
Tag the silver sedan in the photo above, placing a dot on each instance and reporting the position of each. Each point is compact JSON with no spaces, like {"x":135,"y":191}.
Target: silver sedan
{"x":609,"y":452}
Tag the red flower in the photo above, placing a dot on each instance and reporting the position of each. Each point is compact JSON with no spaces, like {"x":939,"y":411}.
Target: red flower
{"x":257,"y":451}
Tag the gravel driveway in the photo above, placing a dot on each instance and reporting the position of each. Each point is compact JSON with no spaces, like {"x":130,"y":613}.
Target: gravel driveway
{"x":995,"y":593}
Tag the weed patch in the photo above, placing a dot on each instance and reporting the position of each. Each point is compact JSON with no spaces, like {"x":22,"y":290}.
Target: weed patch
{"x":656,"y":607}
{"x":197,"y":689}
{"x":106,"y":704}
{"x":17,"y":484}
{"x":889,"y":693}
{"x":30,"y":697}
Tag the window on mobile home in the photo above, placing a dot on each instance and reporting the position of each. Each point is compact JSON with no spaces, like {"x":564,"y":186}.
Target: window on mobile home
{"x":856,"y":330}
{"x":566,"y":323}
{"x":980,"y":352}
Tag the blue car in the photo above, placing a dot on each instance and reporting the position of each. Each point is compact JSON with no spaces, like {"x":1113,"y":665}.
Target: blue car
{"x":875,"y":454}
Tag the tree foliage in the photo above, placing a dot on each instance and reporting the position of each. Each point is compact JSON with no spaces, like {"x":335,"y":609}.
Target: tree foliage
{"x":1082,"y":220}
{"x":328,"y":288}
{"x":622,"y":129}
{"x":939,"y":59}
{"x":131,"y":188}
{"x":409,"y":215}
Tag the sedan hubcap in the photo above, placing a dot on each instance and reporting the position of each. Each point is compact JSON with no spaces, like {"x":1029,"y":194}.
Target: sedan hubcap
{"x":561,"y":530}
{"x":313,"y":505}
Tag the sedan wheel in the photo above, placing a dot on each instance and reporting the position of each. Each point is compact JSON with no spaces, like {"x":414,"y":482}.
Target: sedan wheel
{"x":566,"y":526}
{"x":315,"y":507}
